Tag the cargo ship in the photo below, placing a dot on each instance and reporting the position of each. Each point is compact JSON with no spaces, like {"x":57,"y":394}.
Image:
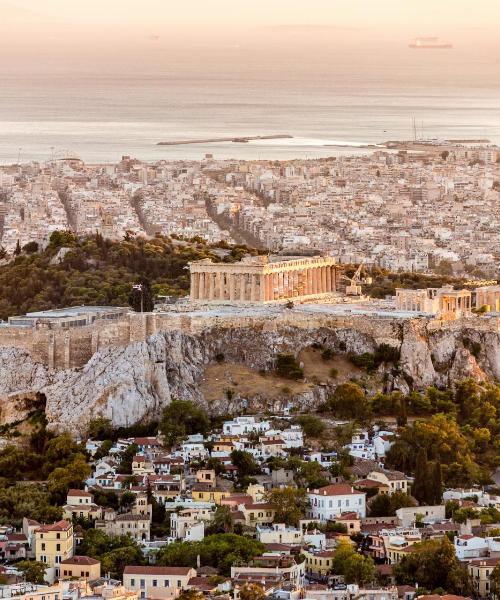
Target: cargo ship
{"x":430,"y":43}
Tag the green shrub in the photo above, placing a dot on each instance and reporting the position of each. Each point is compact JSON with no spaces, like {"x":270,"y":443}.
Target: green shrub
{"x":288,"y":367}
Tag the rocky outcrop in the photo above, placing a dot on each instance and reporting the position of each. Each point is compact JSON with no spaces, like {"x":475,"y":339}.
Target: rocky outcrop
{"x":132,"y":383}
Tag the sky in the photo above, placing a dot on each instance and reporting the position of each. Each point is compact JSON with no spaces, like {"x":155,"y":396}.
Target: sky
{"x":113,"y":30}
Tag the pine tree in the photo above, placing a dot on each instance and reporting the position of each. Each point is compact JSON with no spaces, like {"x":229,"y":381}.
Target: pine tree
{"x":420,"y":484}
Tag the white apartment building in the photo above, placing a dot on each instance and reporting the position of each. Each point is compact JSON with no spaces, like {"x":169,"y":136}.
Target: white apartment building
{"x":329,"y":502}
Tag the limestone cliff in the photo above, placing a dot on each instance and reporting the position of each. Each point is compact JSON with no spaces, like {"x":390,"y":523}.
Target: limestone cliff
{"x":133,"y":382}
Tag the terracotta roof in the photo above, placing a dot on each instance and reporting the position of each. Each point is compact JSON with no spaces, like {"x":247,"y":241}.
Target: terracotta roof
{"x":485,"y":562}
{"x":58,"y":526}
{"x":348,"y":516}
{"x":80,"y":560}
{"x":16,"y":537}
{"x":138,"y":570}
{"x":336,"y":489}
{"x":82,"y":493}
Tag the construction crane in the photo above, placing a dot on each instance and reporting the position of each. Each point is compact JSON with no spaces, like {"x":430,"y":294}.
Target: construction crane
{"x":354,"y":287}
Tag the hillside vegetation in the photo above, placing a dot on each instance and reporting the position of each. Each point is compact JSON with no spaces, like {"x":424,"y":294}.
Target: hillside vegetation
{"x":92,"y":270}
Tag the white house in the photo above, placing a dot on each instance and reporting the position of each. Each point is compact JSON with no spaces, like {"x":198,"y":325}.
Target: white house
{"x":330,"y":501}
{"x":361,"y":447}
{"x":242,"y":425}
{"x":470,"y":546}
{"x":293,"y":437}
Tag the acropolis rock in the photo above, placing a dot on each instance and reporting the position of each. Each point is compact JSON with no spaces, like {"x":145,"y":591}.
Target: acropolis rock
{"x":147,"y":360}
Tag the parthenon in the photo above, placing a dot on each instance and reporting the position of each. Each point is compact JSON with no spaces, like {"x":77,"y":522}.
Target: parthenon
{"x":257,"y":279}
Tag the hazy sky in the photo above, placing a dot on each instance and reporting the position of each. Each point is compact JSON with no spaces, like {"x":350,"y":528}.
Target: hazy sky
{"x":85,"y":30}
{"x":167,"y":15}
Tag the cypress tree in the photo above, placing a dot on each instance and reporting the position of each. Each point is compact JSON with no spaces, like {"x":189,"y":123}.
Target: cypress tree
{"x":420,"y":485}
{"x":142,"y":298}
{"x":17,"y":250}
{"x":402,"y":417}
{"x":436,"y":484}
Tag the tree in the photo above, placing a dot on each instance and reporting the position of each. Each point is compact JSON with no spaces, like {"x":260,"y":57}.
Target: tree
{"x":289,"y":503}
{"x":312,"y":426}
{"x":420,"y":484}
{"x":245,"y":463}
{"x":141,"y":298}
{"x":33,"y":571}
{"x":222,"y":521}
{"x":359,"y":569}
{"x":127,"y":499}
{"x":30,"y":248}
{"x":100,"y":428}
{"x":127,"y":457}
{"x":115,"y":561}
{"x":62,"y":239}
{"x":383,"y":505}
{"x":349,"y":402}
{"x":252,"y":591}
{"x":17,"y":249}
{"x":182,"y":418}
{"x":17,"y":501}
{"x":288,"y":367}
{"x":219,"y":551}
{"x":436,"y":484}
{"x":3,"y":253}
{"x":71,"y":476}
{"x":402,"y":417}
{"x":433,"y":564}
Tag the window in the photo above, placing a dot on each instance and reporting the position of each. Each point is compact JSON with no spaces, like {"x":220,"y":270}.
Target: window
{"x":166,"y":583}
{"x":58,"y":547}
{"x":58,"y":536}
{"x":143,"y":583}
{"x":132,"y":582}
{"x":179,"y":583}
{"x":155,"y":583}
{"x":43,"y":546}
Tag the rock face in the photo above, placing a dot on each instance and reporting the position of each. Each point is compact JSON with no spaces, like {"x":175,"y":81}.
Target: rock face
{"x":132,"y":383}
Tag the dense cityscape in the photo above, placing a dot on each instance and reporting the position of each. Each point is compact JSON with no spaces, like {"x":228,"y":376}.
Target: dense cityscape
{"x":404,"y":211}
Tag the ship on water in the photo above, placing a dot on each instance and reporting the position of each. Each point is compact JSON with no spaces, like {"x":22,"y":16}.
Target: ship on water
{"x":429,"y":43}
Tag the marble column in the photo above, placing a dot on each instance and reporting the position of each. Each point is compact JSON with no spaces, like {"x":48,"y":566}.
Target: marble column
{"x":219,"y":289}
{"x":242,"y":282}
{"x":201,"y":287}
{"x":324,"y":286}
{"x":211,"y":286}
{"x":329,"y":279}
{"x":262,"y":288}
{"x":232,"y":290}
{"x":253,"y":288}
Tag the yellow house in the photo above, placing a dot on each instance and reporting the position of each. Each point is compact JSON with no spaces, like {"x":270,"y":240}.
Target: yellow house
{"x":53,"y":544}
{"x":80,"y":567}
{"x":204,"y":492}
{"x":206,"y":476}
{"x":319,"y":563}
{"x":480,"y":570}
{"x":258,"y":513}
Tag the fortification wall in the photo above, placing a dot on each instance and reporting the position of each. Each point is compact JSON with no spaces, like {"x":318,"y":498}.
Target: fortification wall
{"x":71,"y":348}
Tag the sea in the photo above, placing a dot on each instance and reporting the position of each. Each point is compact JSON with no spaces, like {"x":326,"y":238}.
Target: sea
{"x":331,"y":103}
